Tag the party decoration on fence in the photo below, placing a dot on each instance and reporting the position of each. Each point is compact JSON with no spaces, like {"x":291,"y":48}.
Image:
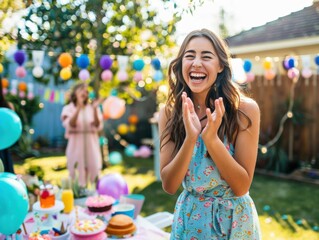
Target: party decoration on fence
{"x":138,"y":66}
{"x":158,"y":75}
{"x":113,"y":107}
{"x":5,"y":85}
{"x":269,"y":74}
{"x":122,"y":62}
{"x":22,"y":86}
{"x":250,"y":76}
{"x":14,"y":85}
{"x":83,"y":62}
{"x":112,"y":184}
{"x":306,"y":71}
{"x":37,"y":57}
{"x":10,"y":128}
{"x":14,"y":203}
{"x":106,"y":64}
{"x":30,"y":91}
{"x":20,"y":56}
{"x":65,"y":60}
{"x":239,"y":74}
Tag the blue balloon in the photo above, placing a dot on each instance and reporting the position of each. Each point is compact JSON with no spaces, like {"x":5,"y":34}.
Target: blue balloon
{"x":14,"y":177}
{"x":317,"y":59}
{"x":158,"y":75}
{"x":10,"y":128}
{"x":115,"y":158}
{"x":138,"y":64}
{"x":83,"y":61}
{"x":14,"y":204}
{"x":247,"y":65}
{"x":291,"y":62}
{"x":130,"y":150}
{"x":156,"y":64}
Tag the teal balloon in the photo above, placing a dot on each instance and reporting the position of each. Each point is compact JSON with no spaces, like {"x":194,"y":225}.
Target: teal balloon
{"x":115,"y":158}
{"x":14,"y":204}
{"x":10,"y":128}
{"x":158,"y":75}
{"x":14,"y":177}
{"x":130,"y":150}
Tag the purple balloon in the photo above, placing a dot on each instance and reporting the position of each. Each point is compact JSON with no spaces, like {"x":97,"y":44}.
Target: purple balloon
{"x":84,"y":74}
{"x":19,"y":57}
{"x":112,"y":184}
{"x":106,"y":62}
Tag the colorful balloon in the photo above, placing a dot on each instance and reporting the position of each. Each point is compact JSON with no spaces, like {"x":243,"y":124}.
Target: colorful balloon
{"x":21,"y":72}
{"x":106,"y":62}
{"x":106,"y":75}
{"x":247,"y":65}
{"x":114,"y":107}
{"x":5,"y":83}
{"x":84,"y":75}
{"x":83,"y":61}
{"x":115,"y":158}
{"x":138,"y":65}
{"x":122,"y":129}
{"x":37,"y":72}
{"x":22,"y":86}
{"x":133,"y":119}
{"x":317,"y":59}
{"x":250,"y":77}
{"x":269,"y":74}
{"x":19,"y":56}
{"x":306,"y":72}
{"x":156,"y":64}
{"x":1,"y":68}
{"x":10,"y":128}
{"x":65,"y":60}
{"x":293,"y":73}
{"x":112,"y":184}
{"x":130,"y":150}
{"x":267,"y":64}
{"x":65,"y":73}
{"x":14,"y":204}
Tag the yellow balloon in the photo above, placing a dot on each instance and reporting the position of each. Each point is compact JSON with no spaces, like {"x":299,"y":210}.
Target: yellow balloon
{"x":65,"y":73}
{"x":1,"y":68}
{"x":122,"y":129}
{"x":267,"y":64}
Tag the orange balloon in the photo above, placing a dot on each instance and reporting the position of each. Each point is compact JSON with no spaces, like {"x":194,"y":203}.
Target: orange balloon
{"x":133,"y":119}
{"x":22,"y":86}
{"x":269,"y":74}
{"x":5,"y":83}
{"x":114,"y":107}
{"x":65,"y":60}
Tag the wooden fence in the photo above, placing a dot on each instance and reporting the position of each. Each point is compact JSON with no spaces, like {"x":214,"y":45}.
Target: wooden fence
{"x":299,"y":138}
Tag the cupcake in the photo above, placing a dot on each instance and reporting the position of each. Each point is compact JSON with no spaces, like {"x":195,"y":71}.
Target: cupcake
{"x":99,"y":203}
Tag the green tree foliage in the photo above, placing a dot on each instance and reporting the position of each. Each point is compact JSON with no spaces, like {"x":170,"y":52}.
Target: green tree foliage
{"x":98,"y":27}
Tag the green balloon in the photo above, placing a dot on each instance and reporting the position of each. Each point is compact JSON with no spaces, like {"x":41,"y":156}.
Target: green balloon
{"x":1,"y":166}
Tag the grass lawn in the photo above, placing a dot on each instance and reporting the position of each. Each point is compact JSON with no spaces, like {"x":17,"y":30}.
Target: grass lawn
{"x":287,"y":209}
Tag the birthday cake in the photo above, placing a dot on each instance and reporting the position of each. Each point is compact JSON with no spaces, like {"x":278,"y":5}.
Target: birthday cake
{"x":120,"y":226}
{"x":87,"y":227}
{"x":99,"y":203}
{"x":38,"y":236}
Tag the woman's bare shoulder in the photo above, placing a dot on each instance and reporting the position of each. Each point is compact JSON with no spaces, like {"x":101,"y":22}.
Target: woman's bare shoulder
{"x":249,"y":106}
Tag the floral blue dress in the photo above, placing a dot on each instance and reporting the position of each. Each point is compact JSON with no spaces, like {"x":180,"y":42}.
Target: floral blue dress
{"x":207,"y":208}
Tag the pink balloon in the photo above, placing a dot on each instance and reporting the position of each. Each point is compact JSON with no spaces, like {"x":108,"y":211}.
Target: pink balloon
{"x":22,"y":94}
{"x":269,"y":74}
{"x":138,"y":76}
{"x":112,"y":184}
{"x":293,"y":72}
{"x":250,"y":77}
{"x":106,"y":75}
{"x":122,"y":76}
{"x":84,"y":74}
{"x":306,"y":73}
{"x":21,"y":72}
{"x":114,"y":107}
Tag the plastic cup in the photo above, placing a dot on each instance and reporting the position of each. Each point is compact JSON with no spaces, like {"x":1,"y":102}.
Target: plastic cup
{"x":136,"y":199}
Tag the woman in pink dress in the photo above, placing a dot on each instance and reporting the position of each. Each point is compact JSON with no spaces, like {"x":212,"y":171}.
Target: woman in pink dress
{"x":82,"y":122}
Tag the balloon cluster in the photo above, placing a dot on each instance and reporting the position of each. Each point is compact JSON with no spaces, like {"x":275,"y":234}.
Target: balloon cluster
{"x":20,"y":56}
{"x":247,"y":68}
{"x":269,"y":74}
{"x":106,"y":64}
{"x":37,"y":57}
{"x":290,"y":64}
{"x":124,"y":128}
{"x":158,"y":75}
{"x":122,"y":62}
{"x":65,"y":61}
{"x":138,"y":66}
{"x":83,"y":62}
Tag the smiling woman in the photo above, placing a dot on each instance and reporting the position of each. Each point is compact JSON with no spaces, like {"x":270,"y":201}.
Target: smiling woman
{"x":203,"y":148}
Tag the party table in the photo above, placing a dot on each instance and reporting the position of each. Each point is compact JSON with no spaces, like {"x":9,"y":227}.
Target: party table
{"x":145,"y":229}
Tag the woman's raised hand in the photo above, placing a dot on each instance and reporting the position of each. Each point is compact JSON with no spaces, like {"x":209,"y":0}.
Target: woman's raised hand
{"x":190,"y":118}
{"x":214,"y":119}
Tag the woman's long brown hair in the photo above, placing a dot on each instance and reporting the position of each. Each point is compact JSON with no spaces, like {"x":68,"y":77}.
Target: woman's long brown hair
{"x":223,"y":87}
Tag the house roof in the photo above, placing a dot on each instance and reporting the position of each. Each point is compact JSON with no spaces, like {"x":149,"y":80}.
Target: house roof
{"x":300,"y":24}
